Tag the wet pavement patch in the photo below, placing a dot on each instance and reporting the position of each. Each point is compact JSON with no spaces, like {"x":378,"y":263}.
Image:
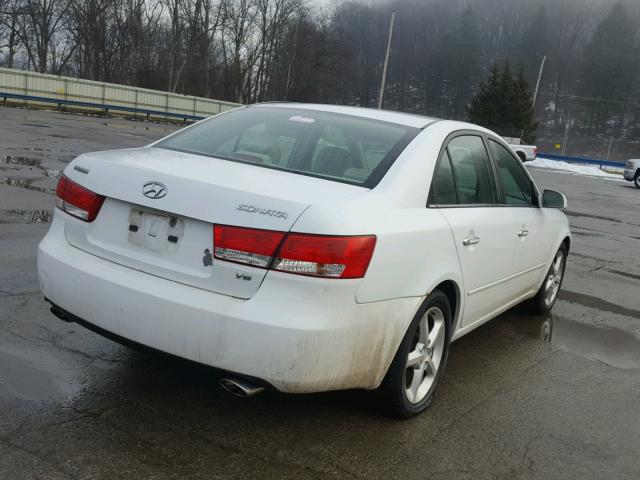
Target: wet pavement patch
{"x":612,"y":346}
{"x":31,"y":216}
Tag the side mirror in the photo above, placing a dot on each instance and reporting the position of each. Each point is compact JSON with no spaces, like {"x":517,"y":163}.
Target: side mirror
{"x":553,"y":199}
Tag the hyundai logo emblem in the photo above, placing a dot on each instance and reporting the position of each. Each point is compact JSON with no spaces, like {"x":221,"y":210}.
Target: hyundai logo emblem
{"x":154,"y":190}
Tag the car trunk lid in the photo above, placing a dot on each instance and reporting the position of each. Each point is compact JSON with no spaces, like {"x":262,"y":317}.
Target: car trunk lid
{"x":169,"y":231}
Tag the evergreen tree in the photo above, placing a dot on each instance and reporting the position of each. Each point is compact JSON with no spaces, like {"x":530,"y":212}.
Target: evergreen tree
{"x":504,"y":103}
{"x":485,"y":107}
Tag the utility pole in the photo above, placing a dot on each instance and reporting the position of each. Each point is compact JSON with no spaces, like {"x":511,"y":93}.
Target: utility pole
{"x":565,"y":139}
{"x":386,"y":61}
{"x":535,"y":93}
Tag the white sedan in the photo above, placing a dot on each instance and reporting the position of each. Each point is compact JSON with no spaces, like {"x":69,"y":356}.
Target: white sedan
{"x":305,"y":247}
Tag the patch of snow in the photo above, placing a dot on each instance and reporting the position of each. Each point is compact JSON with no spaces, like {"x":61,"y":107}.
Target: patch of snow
{"x":591,"y":170}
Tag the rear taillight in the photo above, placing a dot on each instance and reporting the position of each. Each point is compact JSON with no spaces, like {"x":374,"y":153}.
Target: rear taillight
{"x":246,"y":245}
{"x":301,"y":254}
{"x":535,"y":150}
{"x":325,"y":256}
{"x":76,"y":200}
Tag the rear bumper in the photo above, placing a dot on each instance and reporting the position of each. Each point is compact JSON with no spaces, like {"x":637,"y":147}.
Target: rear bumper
{"x":296,"y":333}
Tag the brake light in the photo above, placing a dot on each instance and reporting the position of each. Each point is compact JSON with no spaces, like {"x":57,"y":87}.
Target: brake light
{"x":249,"y":246}
{"x":301,"y":254}
{"x":535,"y":150}
{"x":76,"y":200}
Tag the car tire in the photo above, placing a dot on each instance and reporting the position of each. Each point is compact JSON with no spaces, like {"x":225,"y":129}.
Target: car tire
{"x":547,"y":295}
{"x":637,"y":179}
{"x":417,"y":368}
{"x":522,"y":156}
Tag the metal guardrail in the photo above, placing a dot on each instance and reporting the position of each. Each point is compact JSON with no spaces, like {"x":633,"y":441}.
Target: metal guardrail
{"x":40,"y":89}
{"x":581,"y":160}
{"x":99,"y":106}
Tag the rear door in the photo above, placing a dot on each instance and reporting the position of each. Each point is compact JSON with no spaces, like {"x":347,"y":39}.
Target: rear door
{"x":464,"y":191}
{"x":532,"y":235}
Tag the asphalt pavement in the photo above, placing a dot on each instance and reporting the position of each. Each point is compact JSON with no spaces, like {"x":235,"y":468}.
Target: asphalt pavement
{"x":524,"y":397}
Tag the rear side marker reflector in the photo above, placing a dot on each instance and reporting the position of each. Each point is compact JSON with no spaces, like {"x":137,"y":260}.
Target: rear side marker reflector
{"x":302,"y":254}
{"x":76,"y":200}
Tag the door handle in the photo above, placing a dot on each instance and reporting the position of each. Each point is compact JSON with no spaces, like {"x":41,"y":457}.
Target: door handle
{"x":470,"y":241}
{"x":523,"y":233}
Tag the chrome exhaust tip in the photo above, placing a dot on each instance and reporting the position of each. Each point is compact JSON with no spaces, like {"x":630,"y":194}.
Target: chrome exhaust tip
{"x":240,"y":388}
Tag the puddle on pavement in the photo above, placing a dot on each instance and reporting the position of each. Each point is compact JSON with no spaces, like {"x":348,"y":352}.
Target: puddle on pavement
{"x":31,"y":216}
{"x":34,"y":379}
{"x":612,"y":346}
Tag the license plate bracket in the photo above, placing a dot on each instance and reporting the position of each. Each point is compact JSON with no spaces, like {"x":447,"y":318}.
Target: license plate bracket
{"x":158,"y":232}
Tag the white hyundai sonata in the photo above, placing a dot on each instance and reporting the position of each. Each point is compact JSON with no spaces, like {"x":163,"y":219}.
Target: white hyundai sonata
{"x":305,"y":247}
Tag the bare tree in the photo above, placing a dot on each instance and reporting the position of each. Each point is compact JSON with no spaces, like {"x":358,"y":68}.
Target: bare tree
{"x":10,"y":12}
{"x":43,"y":34}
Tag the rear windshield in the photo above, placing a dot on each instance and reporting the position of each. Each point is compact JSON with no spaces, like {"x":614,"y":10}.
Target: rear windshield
{"x":328,"y":145}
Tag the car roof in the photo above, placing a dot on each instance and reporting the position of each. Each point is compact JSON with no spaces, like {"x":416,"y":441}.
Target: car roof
{"x":399,"y":118}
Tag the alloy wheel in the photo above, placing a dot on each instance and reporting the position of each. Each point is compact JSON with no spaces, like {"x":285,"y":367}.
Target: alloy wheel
{"x":424,"y":359}
{"x":554,"y":279}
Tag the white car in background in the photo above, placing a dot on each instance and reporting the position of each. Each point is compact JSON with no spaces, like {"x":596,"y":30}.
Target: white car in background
{"x":305,"y":247}
{"x":526,"y":153}
{"x":632,"y":171}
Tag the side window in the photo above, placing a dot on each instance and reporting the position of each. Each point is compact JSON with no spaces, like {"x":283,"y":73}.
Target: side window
{"x":443,"y":186}
{"x":471,"y":170}
{"x":516,"y":185}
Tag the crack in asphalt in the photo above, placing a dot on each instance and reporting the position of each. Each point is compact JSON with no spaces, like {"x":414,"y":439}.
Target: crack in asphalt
{"x":9,"y":293}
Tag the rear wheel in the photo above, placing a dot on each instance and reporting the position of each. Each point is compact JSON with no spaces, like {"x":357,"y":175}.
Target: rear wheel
{"x":522,"y":156}
{"x":418,"y":366}
{"x":637,"y":179}
{"x":548,"y":294}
